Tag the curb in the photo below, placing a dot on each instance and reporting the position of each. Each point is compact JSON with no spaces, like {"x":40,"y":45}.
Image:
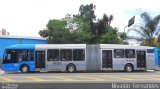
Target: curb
{"x":150,"y":70}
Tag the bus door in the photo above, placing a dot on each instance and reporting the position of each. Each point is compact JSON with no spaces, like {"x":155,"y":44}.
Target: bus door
{"x":107,"y":58}
{"x":40,"y":59}
{"x":141,"y":59}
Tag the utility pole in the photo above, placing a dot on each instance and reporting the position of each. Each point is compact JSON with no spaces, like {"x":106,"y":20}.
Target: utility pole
{"x":125,"y":28}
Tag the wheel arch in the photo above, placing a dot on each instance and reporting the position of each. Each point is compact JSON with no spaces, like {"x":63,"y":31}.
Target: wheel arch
{"x":23,"y":65}
{"x":69,"y":65}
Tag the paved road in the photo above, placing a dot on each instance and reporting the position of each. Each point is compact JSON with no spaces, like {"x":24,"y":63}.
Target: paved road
{"x":109,"y":77}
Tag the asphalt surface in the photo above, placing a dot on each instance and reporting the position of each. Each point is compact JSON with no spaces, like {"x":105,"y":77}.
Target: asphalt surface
{"x":101,"y":77}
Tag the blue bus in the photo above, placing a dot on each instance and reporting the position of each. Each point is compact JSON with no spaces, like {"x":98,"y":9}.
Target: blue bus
{"x":79,"y":57}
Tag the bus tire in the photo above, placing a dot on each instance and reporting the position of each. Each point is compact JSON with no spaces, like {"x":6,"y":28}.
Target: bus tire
{"x":24,"y":68}
{"x":71,"y":68}
{"x":129,"y":68}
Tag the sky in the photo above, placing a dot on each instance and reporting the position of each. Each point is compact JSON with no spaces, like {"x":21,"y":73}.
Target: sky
{"x":27,"y":17}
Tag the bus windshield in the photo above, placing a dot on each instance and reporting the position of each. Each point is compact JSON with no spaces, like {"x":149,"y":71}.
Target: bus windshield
{"x":10,"y":56}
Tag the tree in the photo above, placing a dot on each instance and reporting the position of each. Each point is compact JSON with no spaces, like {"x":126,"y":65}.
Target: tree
{"x":81,"y":28}
{"x":149,"y":30}
{"x":87,"y":11}
{"x":103,"y":25}
{"x":111,"y":37}
{"x":55,"y":29}
{"x":123,"y":35}
{"x":44,"y":33}
{"x":86,"y":20}
{"x":67,"y":30}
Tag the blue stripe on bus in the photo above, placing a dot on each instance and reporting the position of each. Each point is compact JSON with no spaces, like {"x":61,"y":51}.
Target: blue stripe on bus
{"x":65,"y":65}
{"x":118,"y":65}
{"x":156,"y":56}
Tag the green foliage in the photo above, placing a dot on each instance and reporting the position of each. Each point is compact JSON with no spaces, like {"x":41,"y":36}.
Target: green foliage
{"x":44,"y":33}
{"x":111,"y":37}
{"x":123,"y":35}
{"x":59,"y":32}
{"x":56,"y":24}
{"x":97,"y":28}
{"x":81,"y":28}
{"x":87,"y":11}
{"x":102,"y":26}
{"x":55,"y":31}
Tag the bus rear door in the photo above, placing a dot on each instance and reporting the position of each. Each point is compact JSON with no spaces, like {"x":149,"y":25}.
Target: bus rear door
{"x":141,"y":59}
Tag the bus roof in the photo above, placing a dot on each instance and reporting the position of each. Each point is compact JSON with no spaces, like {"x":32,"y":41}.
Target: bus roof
{"x":124,"y":46}
{"x":59,"y":46}
{"x":22,"y":46}
{"x":50,"y":46}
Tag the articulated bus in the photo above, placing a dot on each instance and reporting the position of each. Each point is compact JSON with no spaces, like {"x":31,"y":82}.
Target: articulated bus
{"x":78,"y":57}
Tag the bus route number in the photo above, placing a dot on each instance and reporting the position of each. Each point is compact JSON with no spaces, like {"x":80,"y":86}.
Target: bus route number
{"x":130,"y":60}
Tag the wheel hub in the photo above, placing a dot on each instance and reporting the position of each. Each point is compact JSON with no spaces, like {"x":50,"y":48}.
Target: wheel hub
{"x":24,"y":69}
{"x":129,"y":69}
{"x":71,"y":69}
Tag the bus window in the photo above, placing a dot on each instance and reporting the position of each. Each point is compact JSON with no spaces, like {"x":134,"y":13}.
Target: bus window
{"x":78,"y":55}
{"x":66,"y":55}
{"x":130,"y":53}
{"x":53,"y":55}
{"x":118,"y":53}
{"x":23,"y":55}
{"x":150,"y":51}
{"x":10,"y":56}
{"x":31,"y":55}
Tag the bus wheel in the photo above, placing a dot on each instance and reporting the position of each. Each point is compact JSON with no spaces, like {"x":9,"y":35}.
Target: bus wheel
{"x":71,"y":68}
{"x":24,"y":69}
{"x":129,"y":68}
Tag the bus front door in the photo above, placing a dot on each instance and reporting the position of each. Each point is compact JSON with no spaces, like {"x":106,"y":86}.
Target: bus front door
{"x":40,"y":59}
{"x":141,"y":59}
{"x":107,"y":58}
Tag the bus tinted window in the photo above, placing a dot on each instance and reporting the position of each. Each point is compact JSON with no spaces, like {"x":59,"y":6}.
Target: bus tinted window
{"x":53,"y":55}
{"x":23,"y":55}
{"x":10,"y":56}
{"x":78,"y":55}
{"x":31,"y":55}
{"x":150,"y":51}
{"x":14,"y":56}
{"x":118,"y":53}
{"x":130,"y":53}
{"x":66,"y":55}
